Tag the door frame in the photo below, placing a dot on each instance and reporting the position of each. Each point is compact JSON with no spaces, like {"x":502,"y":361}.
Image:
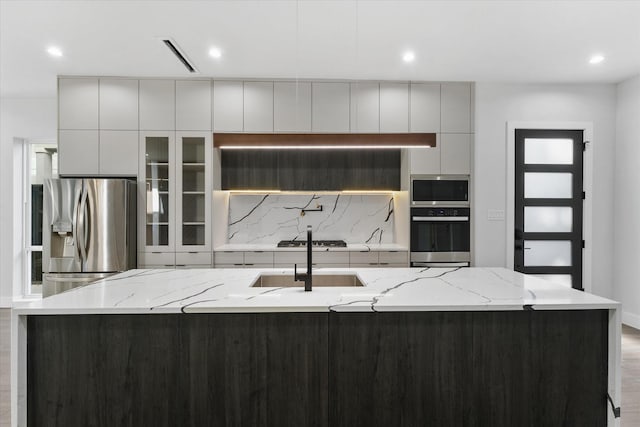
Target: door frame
{"x":587,"y":183}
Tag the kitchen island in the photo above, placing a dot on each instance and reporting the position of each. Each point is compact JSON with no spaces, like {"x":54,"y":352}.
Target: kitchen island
{"x":471,"y":346}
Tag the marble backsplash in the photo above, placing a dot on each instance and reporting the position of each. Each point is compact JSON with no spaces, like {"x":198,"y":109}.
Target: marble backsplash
{"x":269,"y":218}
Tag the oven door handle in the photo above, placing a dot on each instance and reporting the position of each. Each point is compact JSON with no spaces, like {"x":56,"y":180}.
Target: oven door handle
{"x":439,"y":218}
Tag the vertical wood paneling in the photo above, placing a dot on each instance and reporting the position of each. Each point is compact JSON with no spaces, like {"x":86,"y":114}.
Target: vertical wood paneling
{"x":178,"y":370}
{"x":399,"y":369}
{"x":516,"y":368}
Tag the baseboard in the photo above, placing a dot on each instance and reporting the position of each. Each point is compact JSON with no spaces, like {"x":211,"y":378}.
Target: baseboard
{"x":631,"y":319}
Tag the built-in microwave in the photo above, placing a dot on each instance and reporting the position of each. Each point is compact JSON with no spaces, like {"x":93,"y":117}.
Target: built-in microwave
{"x":439,"y":190}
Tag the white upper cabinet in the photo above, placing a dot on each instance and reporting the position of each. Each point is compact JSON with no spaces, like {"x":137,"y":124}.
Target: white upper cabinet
{"x":330,"y":107}
{"x":119,"y":104}
{"x":78,"y":103}
{"x":228,"y":100}
{"x":455,"y":153}
{"x":258,"y":106}
{"x":425,"y":107}
{"x":292,"y":107}
{"x":157,"y":104}
{"x":365,"y":107}
{"x":425,"y":161}
{"x":78,"y":152}
{"x":118,"y":152}
{"x":456,"y":108}
{"x":394,"y":107}
{"x":193,"y":105}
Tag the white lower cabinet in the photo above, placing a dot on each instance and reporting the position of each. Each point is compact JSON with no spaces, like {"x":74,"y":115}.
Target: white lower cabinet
{"x":363,"y":259}
{"x":338,"y":259}
{"x":257,"y":259}
{"x":193,"y":259}
{"x":288,"y":259}
{"x":156,"y":259}
{"x":321,"y":259}
{"x":393,"y":258}
{"x":229,"y":259}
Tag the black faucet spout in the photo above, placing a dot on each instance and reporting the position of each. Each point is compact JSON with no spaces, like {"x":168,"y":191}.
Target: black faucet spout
{"x":308,"y":276}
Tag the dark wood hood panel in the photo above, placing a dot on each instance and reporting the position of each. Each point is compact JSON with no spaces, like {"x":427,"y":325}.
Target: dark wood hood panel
{"x":311,"y":170}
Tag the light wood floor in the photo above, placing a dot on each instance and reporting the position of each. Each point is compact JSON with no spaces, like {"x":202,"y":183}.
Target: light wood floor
{"x":630,"y":412}
{"x":630,"y":373}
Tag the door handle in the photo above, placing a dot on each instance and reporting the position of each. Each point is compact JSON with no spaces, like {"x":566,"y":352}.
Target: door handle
{"x":82,"y":226}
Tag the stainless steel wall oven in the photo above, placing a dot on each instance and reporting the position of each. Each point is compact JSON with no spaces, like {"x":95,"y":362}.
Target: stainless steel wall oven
{"x":440,"y":237}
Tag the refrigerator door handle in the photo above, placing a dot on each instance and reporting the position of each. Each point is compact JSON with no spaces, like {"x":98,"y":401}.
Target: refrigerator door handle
{"x":81,"y":239}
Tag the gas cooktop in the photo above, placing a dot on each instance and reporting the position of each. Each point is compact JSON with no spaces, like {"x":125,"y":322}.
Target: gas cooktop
{"x":319,"y":243}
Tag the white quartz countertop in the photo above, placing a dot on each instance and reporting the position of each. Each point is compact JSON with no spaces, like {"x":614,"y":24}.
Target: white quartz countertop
{"x":360,"y":247}
{"x":386,"y":289}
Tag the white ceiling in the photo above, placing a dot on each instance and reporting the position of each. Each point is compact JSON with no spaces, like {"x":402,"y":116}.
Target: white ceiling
{"x":506,"y":41}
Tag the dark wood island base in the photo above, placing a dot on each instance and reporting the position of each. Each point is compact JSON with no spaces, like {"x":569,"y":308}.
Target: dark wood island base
{"x":470,"y":368}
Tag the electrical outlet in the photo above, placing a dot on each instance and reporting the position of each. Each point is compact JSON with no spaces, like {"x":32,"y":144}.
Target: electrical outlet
{"x":495,"y":215}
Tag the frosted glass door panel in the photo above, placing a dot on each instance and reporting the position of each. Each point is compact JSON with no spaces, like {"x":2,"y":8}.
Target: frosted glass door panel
{"x":558,"y":279}
{"x":542,"y":253}
{"x":547,"y":219}
{"x":546,"y":151}
{"x":547,"y":185}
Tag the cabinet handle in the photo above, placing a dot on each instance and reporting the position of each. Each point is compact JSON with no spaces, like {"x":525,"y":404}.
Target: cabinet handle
{"x":246,"y":263}
{"x":373,"y":263}
{"x":181,"y":265}
{"x":238,"y":264}
{"x":156,"y":252}
{"x":258,"y":252}
{"x":193,"y":252}
{"x":169,"y":265}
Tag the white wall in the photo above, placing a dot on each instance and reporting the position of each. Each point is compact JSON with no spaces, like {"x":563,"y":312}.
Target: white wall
{"x":30,"y":118}
{"x":626,"y":252}
{"x":497,"y":104}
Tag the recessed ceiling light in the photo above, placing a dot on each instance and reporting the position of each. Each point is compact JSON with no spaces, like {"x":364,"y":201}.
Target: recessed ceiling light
{"x":408,"y":56}
{"x":215,"y":52}
{"x":596,"y":59}
{"x":54,"y":51}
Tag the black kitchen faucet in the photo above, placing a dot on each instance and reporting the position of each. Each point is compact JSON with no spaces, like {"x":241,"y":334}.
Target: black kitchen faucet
{"x":306,"y":277}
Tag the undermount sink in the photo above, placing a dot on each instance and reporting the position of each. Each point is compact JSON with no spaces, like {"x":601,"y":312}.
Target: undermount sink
{"x":270,"y":280}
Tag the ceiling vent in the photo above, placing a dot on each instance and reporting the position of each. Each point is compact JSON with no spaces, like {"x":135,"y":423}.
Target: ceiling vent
{"x":173,"y":47}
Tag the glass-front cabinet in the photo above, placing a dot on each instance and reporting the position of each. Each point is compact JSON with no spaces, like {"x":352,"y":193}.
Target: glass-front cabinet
{"x":193,"y":164}
{"x":175,"y":185}
{"x":157,"y":187}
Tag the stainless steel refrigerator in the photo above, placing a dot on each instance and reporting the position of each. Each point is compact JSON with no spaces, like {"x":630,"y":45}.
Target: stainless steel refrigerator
{"x":89,"y":231}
